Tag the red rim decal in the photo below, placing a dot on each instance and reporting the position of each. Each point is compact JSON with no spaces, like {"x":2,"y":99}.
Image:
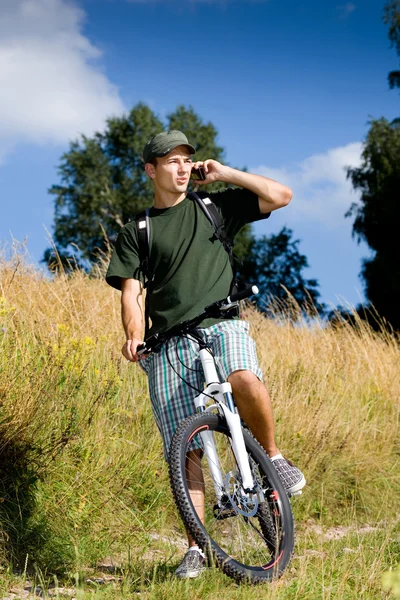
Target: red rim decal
{"x":197,"y":430}
{"x":273,"y":563}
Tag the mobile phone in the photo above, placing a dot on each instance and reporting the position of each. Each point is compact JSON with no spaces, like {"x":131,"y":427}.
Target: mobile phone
{"x":198,"y":174}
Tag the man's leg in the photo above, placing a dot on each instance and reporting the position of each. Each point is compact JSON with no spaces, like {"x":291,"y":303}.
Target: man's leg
{"x":193,"y":563}
{"x":172,"y":402}
{"x":236,"y":356}
{"x":195,"y":480}
{"x":254,"y":405}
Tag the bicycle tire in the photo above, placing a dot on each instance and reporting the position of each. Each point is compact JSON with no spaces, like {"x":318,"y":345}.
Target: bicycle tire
{"x":258,"y":548}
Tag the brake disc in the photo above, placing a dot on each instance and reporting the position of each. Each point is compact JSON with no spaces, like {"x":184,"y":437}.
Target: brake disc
{"x":244,"y":503}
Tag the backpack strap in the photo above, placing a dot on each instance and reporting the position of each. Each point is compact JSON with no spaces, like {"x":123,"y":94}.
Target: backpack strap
{"x":142,"y":221}
{"x":211,"y":212}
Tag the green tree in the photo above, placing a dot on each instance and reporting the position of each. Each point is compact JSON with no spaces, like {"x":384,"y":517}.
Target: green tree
{"x":391,"y":17}
{"x":103,"y":182}
{"x":102,"y":185}
{"x":377,"y":217}
{"x":276,"y":265}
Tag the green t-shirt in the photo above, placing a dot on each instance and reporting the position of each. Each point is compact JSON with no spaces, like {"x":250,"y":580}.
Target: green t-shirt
{"x":191,"y":268}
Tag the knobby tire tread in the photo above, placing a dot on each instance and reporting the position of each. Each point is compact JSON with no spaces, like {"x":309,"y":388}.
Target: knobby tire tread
{"x":176,"y":463}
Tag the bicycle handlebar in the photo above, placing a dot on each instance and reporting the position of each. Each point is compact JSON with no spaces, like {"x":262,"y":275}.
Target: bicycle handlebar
{"x":217,"y":309}
{"x":246,"y":293}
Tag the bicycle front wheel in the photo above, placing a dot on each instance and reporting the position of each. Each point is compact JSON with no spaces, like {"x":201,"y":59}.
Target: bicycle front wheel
{"x":248,"y":534}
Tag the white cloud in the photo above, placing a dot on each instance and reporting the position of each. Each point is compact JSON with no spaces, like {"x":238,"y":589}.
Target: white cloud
{"x":51,"y":87}
{"x":321,"y":192}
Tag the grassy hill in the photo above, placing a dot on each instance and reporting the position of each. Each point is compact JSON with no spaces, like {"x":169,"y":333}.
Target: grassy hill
{"x":83,"y":485}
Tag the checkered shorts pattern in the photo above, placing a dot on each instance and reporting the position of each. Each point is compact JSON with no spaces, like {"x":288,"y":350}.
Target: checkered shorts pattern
{"x":171,"y":398}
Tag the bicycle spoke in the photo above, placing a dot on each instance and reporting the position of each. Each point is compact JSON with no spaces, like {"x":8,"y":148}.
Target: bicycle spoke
{"x":243,"y":530}
{"x":235,"y":534}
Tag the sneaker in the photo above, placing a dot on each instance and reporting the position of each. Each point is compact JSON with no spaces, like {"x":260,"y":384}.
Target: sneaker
{"x":193,"y":565}
{"x":292,"y":478}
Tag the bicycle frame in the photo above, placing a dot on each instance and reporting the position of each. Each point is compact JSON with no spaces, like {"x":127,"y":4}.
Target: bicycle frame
{"x":222,"y":392}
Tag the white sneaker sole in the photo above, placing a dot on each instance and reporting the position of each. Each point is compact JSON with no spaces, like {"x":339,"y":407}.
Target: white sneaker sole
{"x":190,"y":575}
{"x":296,"y":490}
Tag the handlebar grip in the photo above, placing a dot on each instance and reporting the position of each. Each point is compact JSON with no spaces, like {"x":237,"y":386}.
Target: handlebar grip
{"x":149,"y":344}
{"x":141,"y":349}
{"x":246,"y":293}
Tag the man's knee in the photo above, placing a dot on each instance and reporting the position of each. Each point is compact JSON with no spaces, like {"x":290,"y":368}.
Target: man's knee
{"x":243,"y":380}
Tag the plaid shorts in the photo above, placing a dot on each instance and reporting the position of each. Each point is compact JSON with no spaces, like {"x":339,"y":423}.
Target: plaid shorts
{"x":171,"y":398}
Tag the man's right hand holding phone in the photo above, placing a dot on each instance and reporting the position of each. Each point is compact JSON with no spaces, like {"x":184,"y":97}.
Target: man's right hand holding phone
{"x":198,"y":173}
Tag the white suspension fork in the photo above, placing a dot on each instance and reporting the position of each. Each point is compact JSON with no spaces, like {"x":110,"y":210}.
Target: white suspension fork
{"x":218,"y":390}
{"x":213,"y":462}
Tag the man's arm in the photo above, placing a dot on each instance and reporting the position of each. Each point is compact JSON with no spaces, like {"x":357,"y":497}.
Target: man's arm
{"x":132,"y":316}
{"x":271,"y":194}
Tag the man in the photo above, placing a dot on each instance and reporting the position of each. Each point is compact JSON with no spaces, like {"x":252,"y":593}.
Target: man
{"x":191,"y":269}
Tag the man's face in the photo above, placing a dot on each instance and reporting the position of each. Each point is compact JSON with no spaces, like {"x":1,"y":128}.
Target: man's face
{"x":172,"y":172}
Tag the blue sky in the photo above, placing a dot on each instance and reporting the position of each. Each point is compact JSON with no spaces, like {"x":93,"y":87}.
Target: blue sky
{"x":290,"y":87}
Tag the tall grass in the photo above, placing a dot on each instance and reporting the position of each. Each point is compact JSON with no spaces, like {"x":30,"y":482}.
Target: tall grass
{"x":82,"y":476}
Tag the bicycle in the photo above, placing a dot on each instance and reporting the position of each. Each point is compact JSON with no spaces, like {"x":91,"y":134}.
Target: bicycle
{"x":247,"y":528}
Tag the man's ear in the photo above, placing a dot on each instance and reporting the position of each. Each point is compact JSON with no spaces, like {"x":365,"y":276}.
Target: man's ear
{"x":150,"y":170}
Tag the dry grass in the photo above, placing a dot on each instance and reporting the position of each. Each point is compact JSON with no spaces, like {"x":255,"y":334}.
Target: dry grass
{"x":336,"y":393}
{"x":81,"y":468}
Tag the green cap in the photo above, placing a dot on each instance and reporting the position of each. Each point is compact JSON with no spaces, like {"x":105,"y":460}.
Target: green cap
{"x":164,"y":142}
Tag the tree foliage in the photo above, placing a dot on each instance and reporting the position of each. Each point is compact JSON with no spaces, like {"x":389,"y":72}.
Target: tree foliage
{"x":391,"y":17}
{"x":276,"y":265}
{"x":377,"y":216}
{"x":102,"y":185}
